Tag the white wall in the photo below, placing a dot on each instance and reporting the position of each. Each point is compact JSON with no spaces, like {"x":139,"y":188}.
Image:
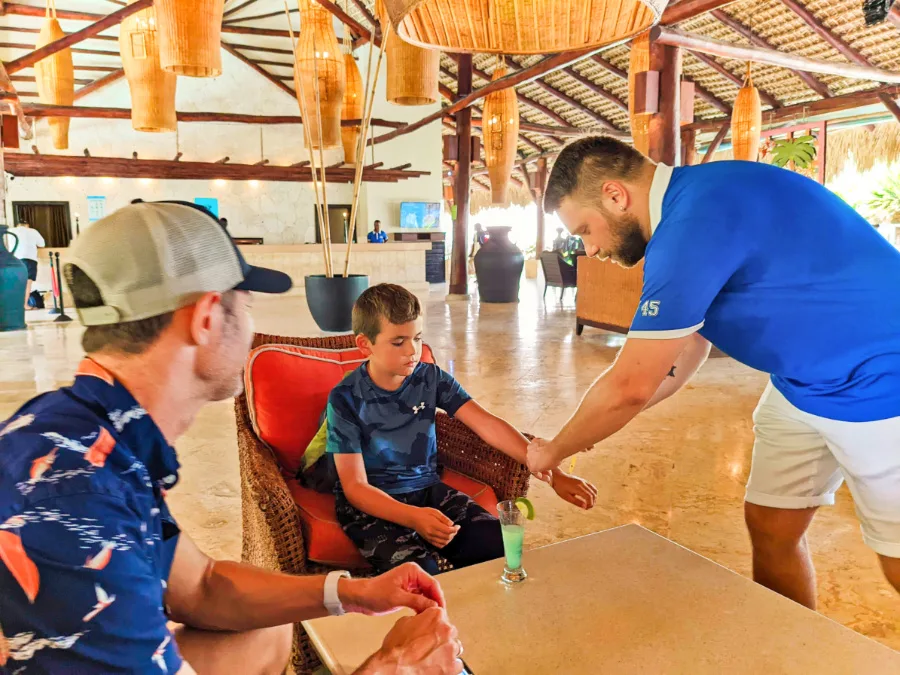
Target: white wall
{"x":281,"y":213}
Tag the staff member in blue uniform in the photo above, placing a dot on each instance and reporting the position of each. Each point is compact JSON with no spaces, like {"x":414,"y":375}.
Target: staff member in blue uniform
{"x":376,"y":236}
{"x":782,"y":275}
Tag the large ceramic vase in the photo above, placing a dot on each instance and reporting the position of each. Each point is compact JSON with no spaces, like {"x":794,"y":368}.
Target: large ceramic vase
{"x":498,"y":267}
{"x":13,"y":279}
{"x":330,"y":300}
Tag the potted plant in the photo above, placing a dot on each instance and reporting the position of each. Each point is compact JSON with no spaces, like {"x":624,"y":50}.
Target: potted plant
{"x":331,"y":296}
{"x":885,"y":201}
{"x":531,"y":263}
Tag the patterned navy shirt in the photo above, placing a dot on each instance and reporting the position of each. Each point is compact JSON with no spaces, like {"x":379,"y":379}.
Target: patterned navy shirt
{"x":394,"y":430}
{"x":86,"y":540}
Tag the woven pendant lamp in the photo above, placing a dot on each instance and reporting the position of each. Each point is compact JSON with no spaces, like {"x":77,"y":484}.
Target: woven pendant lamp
{"x":412,"y":72}
{"x":152,"y":88}
{"x":640,"y":63}
{"x":746,"y":122}
{"x":318,"y":57}
{"x":190,"y":36}
{"x":55,"y":77}
{"x":500,"y":129}
{"x":520,"y":26}
{"x":352,"y":108}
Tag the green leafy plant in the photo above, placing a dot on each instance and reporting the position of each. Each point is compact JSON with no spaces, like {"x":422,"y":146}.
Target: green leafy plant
{"x":885,"y":201}
{"x":801,"y":151}
{"x":530,"y":252}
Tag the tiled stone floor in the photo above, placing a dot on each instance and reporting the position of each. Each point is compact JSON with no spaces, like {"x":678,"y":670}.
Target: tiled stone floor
{"x":678,"y":470}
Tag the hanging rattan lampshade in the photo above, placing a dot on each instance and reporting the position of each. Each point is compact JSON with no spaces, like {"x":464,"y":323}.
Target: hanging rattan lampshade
{"x":746,"y":122}
{"x":640,"y":63}
{"x":55,"y":77}
{"x":152,"y":88}
{"x":412,"y":72}
{"x":318,"y":56}
{"x":190,"y":33}
{"x":520,"y":26}
{"x":352,"y":108}
{"x":500,"y":129}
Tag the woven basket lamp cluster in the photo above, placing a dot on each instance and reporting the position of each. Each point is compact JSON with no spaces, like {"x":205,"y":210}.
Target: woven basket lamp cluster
{"x":500,"y":128}
{"x":55,"y":77}
{"x":640,"y":63}
{"x":412,"y":72}
{"x":352,"y":108}
{"x":152,"y":88}
{"x":320,"y":65}
{"x":520,"y":26}
{"x":746,"y":122}
{"x":190,"y":33}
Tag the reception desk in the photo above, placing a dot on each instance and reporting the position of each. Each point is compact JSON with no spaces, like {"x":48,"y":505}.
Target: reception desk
{"x":608,"y":294}
{"x":395,"y":262}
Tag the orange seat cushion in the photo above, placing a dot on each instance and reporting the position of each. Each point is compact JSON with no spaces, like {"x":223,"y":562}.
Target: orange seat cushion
{"x":326,"y":542}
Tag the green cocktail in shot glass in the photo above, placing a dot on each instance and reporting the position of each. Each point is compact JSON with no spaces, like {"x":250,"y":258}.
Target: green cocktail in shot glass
{"x":512,"y":526}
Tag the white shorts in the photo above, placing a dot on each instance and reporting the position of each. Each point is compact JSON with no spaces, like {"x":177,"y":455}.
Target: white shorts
{"x":800,"y":460}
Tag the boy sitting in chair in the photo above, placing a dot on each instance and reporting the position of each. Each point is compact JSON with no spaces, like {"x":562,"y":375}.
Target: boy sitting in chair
{"x":381,"y":434}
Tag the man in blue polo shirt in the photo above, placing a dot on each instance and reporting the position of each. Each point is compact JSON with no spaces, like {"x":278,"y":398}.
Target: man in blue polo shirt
{"x":780,"y":274}
{"x":93,"y":567}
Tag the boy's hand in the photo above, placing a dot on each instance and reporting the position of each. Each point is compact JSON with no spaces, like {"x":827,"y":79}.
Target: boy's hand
{"x":437,"y":529}
{"x":574,"y":490}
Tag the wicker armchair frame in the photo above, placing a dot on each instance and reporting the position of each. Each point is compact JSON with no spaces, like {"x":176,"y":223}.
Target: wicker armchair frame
{"x":272,"y":534}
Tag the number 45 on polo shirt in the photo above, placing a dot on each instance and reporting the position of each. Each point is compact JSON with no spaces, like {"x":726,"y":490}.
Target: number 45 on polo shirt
{"x":650,"y":308}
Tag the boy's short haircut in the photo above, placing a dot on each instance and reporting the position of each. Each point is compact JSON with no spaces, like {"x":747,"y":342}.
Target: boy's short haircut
{"x":389,"y":301}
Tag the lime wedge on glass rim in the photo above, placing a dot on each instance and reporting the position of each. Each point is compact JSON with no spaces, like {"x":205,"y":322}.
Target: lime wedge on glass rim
{"x":526,"y":507}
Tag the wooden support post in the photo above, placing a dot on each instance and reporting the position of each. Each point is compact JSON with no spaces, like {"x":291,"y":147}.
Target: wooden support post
{"x":716,"y":142}
{"x":540,"y":184}
{"x":459,"y":278}
{"x":823,"y":152}
{"x":665,"y":125}
{"x":688,"y":147}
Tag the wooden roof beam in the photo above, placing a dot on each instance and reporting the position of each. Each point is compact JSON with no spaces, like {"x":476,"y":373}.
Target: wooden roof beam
{"x":99,"y":83}
{"x":26,"y":128}
{"x":74,"y":38}
{"x":361,"y":6}
{"x":823,"y":32}
{"x":542,"y":67}
{"x":767,"y":98}
{"x":259,"y":69}
{"x":819,"y":87}
{"x":44,"y":110}
{"x":677,"y":12}
{"x":891,"y":105}
{"x":238,"y":8}
{"x":823,"y":106}
{"x":699,"y":43}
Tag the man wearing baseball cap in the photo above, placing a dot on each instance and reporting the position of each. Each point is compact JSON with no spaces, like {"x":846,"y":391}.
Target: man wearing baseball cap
{"x":94,"y":571}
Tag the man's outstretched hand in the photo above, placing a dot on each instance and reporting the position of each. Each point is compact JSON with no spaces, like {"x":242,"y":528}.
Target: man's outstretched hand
{"x":404,"y":586}
{"x":541,"y":456}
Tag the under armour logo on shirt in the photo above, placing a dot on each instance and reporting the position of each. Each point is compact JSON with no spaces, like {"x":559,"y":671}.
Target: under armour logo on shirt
{"x":419,"y":408}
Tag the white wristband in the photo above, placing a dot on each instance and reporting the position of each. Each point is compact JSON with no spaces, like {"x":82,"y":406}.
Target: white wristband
{"x":332,"y":601}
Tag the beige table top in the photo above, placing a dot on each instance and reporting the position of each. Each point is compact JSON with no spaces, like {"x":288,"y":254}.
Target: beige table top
{"x":622,"y":601}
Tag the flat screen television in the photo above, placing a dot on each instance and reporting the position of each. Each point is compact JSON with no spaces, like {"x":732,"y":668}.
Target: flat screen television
{"x":420,"y":215}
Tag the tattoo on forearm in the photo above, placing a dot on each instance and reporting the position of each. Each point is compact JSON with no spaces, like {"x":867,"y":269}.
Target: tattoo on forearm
{"x":671,"y":372}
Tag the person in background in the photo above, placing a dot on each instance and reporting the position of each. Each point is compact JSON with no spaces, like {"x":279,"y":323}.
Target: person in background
{"x":30,"y":240}
{"x":479,"y":241}
{"x":376,"y":236}
{"x":93,"y":565}
{"x":559,"y":244}
{"x":481,"y":235}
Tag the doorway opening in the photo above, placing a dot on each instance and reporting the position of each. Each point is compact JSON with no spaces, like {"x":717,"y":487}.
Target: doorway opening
{"x":51,"y":219}
{"x":339,"y":218}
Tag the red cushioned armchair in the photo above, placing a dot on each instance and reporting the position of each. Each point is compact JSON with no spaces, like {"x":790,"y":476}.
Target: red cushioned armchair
{"x":294,"y":530}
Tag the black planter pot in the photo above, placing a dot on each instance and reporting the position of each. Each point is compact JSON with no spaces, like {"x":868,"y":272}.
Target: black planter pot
{"x":331,"y":300}
{"x":498,"y":267}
